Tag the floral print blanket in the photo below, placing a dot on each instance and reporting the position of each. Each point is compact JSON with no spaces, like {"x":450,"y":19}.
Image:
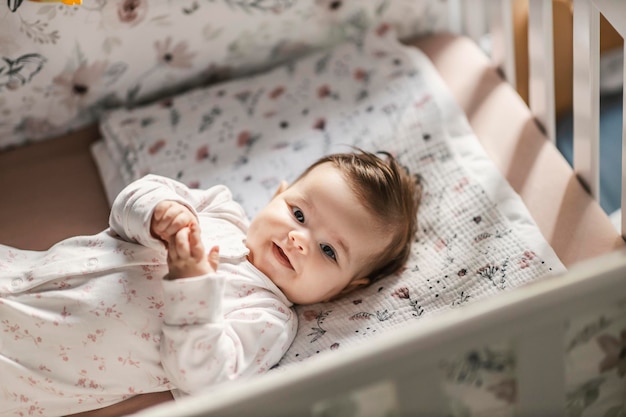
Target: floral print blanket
{"x":475,"y":237}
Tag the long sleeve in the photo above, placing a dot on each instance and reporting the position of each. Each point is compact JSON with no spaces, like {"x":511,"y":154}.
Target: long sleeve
{"x":133,"y":207}
{"x":202,"y":346}
{"x":219,"y":326}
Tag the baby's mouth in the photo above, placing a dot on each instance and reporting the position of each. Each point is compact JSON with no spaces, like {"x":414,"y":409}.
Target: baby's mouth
{"x":281,"y":256}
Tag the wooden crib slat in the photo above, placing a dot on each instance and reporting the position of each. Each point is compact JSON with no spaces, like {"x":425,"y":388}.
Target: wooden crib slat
{"x":615,"y":12}
{"x":455,"y":16}
{"x":586,"y":95}
{"x":541,"y":65}
{"x":503,"y":38}
{"x":474,"y":19}
{"x":587,"y":92}
{"x":541,"y":372}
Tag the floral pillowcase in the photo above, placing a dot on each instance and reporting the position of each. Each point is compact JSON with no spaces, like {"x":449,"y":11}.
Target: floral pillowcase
{"x":61,"y":66}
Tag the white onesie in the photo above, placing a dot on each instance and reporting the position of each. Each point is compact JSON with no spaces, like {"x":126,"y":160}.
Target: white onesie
{"x":90,"y":322}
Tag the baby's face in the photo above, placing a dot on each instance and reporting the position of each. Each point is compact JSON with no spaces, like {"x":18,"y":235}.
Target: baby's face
{"x":315,"y":238}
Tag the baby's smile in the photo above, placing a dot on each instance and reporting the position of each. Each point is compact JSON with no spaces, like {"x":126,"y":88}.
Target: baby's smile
{"x":280,"y":255}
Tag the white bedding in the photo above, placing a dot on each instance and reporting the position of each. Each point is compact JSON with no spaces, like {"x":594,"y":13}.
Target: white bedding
{"x":475,"y":237}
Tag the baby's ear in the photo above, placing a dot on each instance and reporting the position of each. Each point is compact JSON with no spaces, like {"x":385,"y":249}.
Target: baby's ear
{"x":281,"y":187}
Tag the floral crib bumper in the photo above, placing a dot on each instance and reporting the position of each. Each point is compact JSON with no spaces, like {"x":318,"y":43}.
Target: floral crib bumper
{"x":63,"y":65}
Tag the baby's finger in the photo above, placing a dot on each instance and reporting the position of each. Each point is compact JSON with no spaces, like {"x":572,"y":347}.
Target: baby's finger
{"x":195,"y":242}
{"x":162,"y":216}
{"x":214,"y":257}
{"x":181,"y":219}
{"x":156,"y":224}
{"x":161,"y":208}
{"x":172,"y":211}
{"x":172,"y":250}
{"x":182,"y":243}
{"x":158,"y":211}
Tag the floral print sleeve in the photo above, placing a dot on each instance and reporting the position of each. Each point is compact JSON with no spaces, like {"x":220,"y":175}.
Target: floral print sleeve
{"x":133,"y":207}
{"x":201,"y":346}
{"x":207,"y":335}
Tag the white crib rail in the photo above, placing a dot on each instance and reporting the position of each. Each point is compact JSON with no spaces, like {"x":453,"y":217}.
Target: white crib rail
{"x":405,"y":362}
{"x":586,"y":95}
{"x":476,"y":18}
{"x":503,"y":41}
{"x":541,"y":65}
{"x":495,"y":17}
{"x":587,"y":92}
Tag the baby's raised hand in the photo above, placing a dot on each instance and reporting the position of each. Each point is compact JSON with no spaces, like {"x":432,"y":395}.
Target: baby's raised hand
{"x":186,"y":257}
{"x":168,"y":218}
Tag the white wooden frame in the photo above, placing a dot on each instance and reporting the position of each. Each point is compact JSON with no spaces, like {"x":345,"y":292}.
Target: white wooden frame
{"x":405,"y":361}
{"x":468,"y":17}
{"x":587,"y":91}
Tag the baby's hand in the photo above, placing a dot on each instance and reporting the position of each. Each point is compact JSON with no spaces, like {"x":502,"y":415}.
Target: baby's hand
{"x":186,"y":257}
{"x":169,"y":218}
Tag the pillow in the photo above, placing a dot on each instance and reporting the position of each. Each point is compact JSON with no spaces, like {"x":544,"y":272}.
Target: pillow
{"x":475,"y":239}
{"x":62,"y":65}
{"x":252,"y":133}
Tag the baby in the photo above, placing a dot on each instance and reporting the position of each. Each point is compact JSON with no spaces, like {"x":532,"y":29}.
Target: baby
{"x":143,"y":307}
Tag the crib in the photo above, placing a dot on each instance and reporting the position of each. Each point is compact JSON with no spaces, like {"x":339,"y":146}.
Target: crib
{"x":400,"y":371}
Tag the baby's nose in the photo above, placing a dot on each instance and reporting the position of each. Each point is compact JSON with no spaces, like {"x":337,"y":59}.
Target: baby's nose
{"x":299,"y":240}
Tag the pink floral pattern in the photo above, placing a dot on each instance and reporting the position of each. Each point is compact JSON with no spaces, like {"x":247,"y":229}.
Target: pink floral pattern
{"x":78,"y":88}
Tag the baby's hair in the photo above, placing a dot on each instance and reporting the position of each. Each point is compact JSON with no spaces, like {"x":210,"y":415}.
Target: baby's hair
{"x":391,"y":194}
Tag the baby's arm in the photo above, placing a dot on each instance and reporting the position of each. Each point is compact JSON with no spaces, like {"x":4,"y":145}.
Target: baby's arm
{"x":133,"y":208}
{"x":186,"y":257}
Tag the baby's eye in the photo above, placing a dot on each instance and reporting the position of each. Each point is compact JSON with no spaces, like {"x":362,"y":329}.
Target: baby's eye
{"x":298,"y":214}
{"x":328,"y":251}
